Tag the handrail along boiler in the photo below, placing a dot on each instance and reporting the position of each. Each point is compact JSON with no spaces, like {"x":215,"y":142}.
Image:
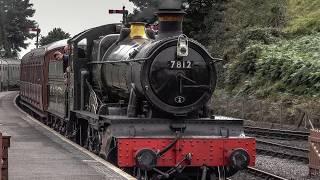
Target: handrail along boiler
{"x":139,"y":100}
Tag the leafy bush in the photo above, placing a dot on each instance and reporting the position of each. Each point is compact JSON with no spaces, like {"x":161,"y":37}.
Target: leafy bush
{"x":304,"y":16}
{"x":245,"y":62}
{"x":290,"y":66}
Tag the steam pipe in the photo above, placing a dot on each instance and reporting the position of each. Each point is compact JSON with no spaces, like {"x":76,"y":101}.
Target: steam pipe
{"x":204,"y":173}
{"x":131,"y":111}
{"x":84,"y":74}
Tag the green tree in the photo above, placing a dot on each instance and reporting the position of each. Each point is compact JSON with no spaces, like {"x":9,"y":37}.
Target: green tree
{"x":55,"y":35}
{"x":15,"y":25}
{"x":196,"y":12}
{"x":246,"y":23}
{"x":199,"y":11}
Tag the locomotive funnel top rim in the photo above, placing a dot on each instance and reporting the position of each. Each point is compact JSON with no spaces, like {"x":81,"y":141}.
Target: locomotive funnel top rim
{"x":170,"y":11}
{"x":137,"y":22}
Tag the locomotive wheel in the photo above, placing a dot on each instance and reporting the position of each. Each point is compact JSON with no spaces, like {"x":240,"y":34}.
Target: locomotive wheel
{"x":97,"y":142}
{"x":89,"y":139}
{"x":80,"y":133}
{"x":62,"y":129}
{"x":55,"y":124}
{"x":93,"y":140}
{"x":49,"y":121}
{"x":73,"y":131}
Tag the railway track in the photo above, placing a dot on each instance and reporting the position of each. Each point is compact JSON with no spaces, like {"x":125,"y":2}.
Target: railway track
{"x":283,"y":151}
{"x":263,"y":174}
{"x":276,"y":133}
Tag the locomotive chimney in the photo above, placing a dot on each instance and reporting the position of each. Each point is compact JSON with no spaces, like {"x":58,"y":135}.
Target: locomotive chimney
{"x":170,"y":17}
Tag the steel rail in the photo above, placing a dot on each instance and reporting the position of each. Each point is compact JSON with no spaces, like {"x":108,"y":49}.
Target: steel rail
{"x":295,"y":154}
{"x":283,"y":155}
{"x":282,"y":146}
{"x":264,"y":174}
{"x":278,"y":133}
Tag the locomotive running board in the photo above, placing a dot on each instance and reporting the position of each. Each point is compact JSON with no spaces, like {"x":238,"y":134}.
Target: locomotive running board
{"x":125,"y":126}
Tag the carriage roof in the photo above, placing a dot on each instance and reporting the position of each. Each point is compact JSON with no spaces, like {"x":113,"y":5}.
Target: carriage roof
{"x":9,"y":61}
{"x":41,"y":51}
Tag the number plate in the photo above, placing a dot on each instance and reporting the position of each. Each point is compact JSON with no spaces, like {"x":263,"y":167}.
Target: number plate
{"x":180,"y":64}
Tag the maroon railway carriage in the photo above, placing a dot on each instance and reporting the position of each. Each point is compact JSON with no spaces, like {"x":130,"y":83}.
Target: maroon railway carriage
{"x":34,"y":77}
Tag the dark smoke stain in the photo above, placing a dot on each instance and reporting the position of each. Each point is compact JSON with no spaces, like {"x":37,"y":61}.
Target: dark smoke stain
{"x":148,"y":14}
{"x":170,"y":4}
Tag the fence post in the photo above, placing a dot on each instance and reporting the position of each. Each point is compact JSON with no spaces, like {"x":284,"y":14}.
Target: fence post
{"x":5,"y":147}
{"x":242,"y":109}
{"x":261,"y":111}
{"x":281,"y":109}
{"x":1,"y":156}
{"x":301,"y":118}
{"x":227,"y":114}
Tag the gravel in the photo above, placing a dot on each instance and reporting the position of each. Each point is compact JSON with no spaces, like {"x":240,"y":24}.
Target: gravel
{"x":282,"y":152}
{"x":289,"y":169}
{"x":283,"y":167}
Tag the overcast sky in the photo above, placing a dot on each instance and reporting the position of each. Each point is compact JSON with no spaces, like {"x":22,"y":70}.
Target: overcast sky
{"x":74,"y":16}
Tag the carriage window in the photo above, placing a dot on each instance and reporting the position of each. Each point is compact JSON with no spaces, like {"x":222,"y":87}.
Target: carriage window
{"x":32,"y":72}
{"x":39,"y":74}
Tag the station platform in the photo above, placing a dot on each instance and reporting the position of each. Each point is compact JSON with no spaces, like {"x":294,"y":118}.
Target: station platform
{"x":38,"y":153}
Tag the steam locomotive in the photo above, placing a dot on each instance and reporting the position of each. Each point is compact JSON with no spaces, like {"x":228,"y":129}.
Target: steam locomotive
{"x":139,"y":100}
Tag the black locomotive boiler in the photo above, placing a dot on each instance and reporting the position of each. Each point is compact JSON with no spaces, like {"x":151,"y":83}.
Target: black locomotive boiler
{"x":140,"y":101}
{"x":172,"y":75}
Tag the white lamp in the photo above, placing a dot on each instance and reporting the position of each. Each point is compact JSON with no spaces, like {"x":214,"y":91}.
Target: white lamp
{"x":2,"y":52}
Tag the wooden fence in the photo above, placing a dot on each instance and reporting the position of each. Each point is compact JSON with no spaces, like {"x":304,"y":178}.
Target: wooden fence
{"x":314,"y":153}
{"x":263,"y":113}
{"x":5,"y":143}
